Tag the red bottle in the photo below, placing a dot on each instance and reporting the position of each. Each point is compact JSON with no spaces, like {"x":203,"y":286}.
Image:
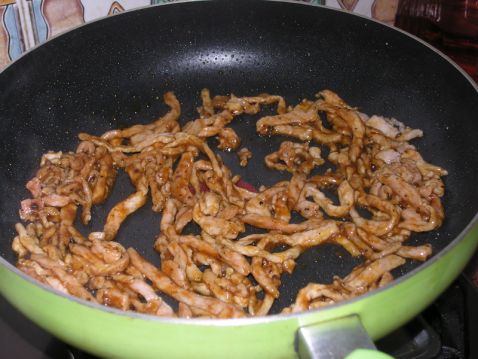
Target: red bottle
{"x":449,"y":25}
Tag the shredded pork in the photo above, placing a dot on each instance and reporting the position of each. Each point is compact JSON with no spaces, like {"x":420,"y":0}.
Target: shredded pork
{"x":220,"y":272}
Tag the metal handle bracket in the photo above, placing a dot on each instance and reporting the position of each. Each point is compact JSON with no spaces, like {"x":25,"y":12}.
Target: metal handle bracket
{"x":334,"y":339}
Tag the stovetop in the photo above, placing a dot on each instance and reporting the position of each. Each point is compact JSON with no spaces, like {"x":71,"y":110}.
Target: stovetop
{"x":443,"y":331}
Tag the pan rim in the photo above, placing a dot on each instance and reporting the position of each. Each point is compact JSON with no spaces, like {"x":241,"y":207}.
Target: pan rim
{"x":273,"y":317}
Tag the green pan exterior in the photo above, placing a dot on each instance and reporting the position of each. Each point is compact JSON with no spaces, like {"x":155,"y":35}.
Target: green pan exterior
{"x":111,"y":333}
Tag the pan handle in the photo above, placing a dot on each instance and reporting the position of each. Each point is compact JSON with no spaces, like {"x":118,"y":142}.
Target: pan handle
{"x":338,"y":338}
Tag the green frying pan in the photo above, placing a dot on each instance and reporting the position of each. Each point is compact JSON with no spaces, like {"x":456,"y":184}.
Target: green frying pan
{"x":110,"y":73}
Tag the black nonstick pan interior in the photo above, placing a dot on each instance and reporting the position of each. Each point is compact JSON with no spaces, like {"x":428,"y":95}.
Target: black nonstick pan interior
{"x":113,"y":73}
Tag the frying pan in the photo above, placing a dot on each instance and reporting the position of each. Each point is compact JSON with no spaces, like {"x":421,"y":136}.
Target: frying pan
{"x":113,"y":72}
